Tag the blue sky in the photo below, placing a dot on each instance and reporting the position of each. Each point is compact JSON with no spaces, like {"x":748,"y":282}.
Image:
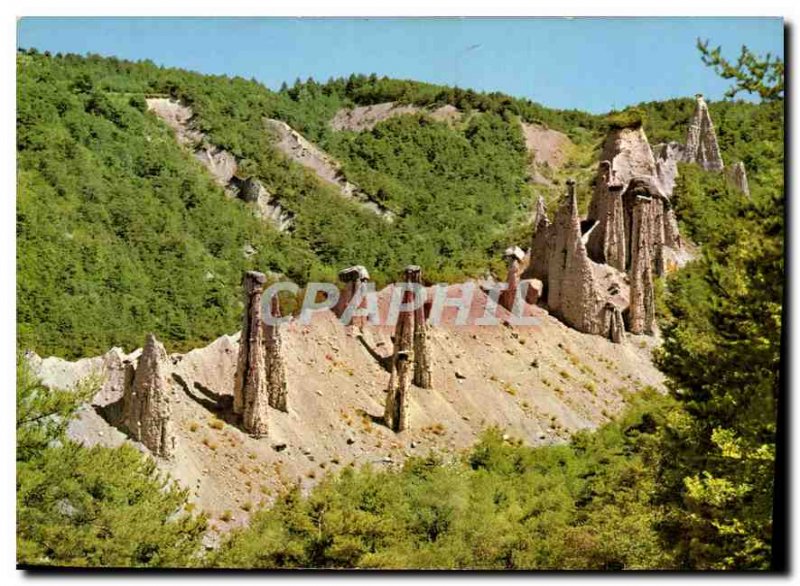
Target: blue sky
{"x":589,"y":64}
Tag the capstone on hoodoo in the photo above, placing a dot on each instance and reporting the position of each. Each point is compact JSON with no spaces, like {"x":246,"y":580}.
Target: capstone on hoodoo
{"x":355,"y":281}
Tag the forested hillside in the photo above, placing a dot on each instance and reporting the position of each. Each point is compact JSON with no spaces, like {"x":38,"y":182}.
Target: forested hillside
{"x":122,"y":232}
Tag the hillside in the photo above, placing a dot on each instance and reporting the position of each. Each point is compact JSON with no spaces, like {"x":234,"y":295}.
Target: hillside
{"x":104,"y":189}
{"x":539,"y":383}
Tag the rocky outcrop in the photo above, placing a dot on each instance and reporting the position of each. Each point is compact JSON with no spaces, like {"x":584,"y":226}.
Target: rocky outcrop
{"x":738,"y":178}
{"x":629,"y":155}
{"x":267,"y":208}
{"x":297,"y":148}
{"x":222,"y":165}
{"x":395,"y":414}
{"x":616,"y":323}
{"x":364,"y":118}
{"x":219,"y":162}
{"x":701,"y":140}
{"x":422,"y":348}
{"x":251,"y":391}
{"x":667,"y":156}
{"x":147,"y":400}
{"x":588,"y":296}
{"x":642,"y":303}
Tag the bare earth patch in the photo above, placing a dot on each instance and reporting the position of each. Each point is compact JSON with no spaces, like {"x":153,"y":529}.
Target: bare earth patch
{"x":366,"y":117}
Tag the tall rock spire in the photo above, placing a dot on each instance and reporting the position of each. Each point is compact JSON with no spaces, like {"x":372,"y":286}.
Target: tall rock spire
{"x":396,"y":410}
{"x":273,"y":358}
{"x":422,"y":350}
{"x":540,"y":245}
{"x":146,"y":401}
{"x":701,"y":140}
{"x":571,"y":293}
{"x":250,"y":391}
{"x":642,"y":303}
{"x":738,"y":177}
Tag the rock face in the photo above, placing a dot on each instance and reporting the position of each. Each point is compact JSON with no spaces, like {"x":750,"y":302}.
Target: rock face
{"x":251,"y":190}
{"x":738,"y":178}
{"x":251,"y":391}
{"x":364,"y":118}
{"x":296,"y":147}
{"x":668,"y":156}
{"x":146,"y":401}
{"x":607,"y":243}
{"x":422,"y":351}
{"x":701,"y":140}
{"x":395,"y":414}
{"x":222,"y":165}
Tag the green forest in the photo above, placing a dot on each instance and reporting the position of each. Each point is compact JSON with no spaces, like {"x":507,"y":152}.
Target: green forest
{"x":120,"y":232}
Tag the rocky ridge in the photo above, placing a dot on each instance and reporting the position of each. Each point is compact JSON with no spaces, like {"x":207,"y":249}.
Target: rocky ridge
{"x":221,"y":164}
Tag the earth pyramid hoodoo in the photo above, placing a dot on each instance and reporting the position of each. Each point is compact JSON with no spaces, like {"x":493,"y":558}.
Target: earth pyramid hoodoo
{"x":395,"y":414}
{"x":260,"y":380}
{"x":147,"y":408}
